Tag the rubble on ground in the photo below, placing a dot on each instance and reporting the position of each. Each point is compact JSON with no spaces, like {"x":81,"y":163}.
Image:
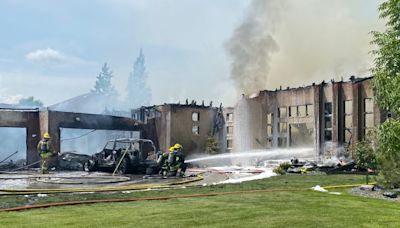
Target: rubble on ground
{"x":329,"y":166}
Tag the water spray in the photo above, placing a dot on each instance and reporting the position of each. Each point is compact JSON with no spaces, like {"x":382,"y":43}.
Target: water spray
{"x":275,"y":154}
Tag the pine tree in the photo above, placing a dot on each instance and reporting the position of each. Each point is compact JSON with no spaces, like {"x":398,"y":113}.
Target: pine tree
{"x":138,"y":93}
{"x":103,"y":84}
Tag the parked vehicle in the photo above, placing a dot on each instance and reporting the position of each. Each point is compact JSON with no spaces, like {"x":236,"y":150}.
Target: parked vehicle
{"x":137,"y":156}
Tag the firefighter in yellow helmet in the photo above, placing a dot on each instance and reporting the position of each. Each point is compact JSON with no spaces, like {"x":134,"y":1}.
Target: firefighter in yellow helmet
{"x":163,"y":162}
{"x":44,"y":150}
{"x":176,"y":161}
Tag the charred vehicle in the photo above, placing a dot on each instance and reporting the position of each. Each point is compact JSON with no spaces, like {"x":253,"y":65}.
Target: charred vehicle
{"x":137,"y":156}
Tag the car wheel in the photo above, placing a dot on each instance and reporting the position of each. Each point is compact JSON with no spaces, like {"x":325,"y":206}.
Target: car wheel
{"x":124,"y":166}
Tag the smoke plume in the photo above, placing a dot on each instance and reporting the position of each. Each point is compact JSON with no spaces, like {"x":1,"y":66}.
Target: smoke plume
{"x":294,"y":43}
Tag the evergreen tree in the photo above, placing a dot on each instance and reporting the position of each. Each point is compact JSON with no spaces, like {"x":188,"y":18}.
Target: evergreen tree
{"x":103,"y":84}
{"x":30,"y":102}
{"x":138,"y":93}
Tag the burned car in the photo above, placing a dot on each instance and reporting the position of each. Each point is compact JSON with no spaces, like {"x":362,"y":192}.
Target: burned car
{"x":137,"y":156}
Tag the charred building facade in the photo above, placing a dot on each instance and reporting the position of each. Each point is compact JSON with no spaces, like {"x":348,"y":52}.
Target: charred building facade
{"x":188,"y":124}
{"x":325,"y":116}
{"x":37,"y":122}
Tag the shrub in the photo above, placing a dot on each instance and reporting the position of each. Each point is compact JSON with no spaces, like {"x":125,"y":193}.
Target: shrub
{"x":388,"y":157}
{"x":282,"y":168}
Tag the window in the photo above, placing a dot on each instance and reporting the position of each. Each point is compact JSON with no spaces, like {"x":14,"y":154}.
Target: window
{"x":229,"y":130}
{"x":109,"y":146}
{"x":229,"y":117}
{"x":347,"y":136}
{"x":302,"y":110}
{"x":195,"y":116}
{"x":310,"y":110}
{"x":282,"y":142}
{"x":282,"y":127}
{"x":328,"y":135}
{"x":269,"y":130}
{"x":368,"y":122}
{"x":328,"y":121}
{"x":293,"y":111}
{"x":269,"y":118}
{"x":348,"y":106}
{"x":368,"y":105}
{"x":348,"y":120}
{"x":282,"y":112}
{"x":328,"y":108}
{"x":229,"y":143}
{"x":195,"y":130}
{"x":269,"y":142}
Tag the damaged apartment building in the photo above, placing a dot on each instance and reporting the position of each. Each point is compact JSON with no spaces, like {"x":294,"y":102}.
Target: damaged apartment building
{"x":188,"y":124}
{"x":325,"y":116}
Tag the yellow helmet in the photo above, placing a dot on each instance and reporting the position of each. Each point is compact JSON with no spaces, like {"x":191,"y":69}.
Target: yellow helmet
{"x":46,"y":135}
{"x":171,"y":149}
{"x":178,"y":146}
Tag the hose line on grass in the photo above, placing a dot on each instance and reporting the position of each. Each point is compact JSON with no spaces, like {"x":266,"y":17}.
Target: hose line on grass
{"x":98,"y":189}
{"x":58,"y":204}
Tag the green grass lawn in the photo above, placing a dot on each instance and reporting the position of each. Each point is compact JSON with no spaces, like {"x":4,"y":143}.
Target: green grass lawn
{"x":270,"y":209}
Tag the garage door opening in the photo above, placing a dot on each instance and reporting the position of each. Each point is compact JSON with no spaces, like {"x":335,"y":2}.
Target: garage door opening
{"x":12,"y":145}
{"x":90,"y":141}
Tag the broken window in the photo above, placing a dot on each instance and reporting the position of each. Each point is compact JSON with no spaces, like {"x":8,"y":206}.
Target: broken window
{"x":229,"y":143}
{"x":328,"y":135}
{"x":293,"y":111}
{"x":347,"y":136}
{"x":282,"y":127}
{"x":369,"y":120}
{"x":310,"y":110}
{"x":269,"y":130}
{"x":328,"y":122}
{"x":282,"y":142}
{"x":348,"y":106}
{"x":195,"y":130}
{"x":368,"y":105}
{"x":195,"y":116}
{"x":302,"y":110}
{"x":229,"y":130}
{"x":328,"y":108}
{"x":282,"y":112}
{"x":229,"y":117}
{"x":269,"y":118}
{"x":348,"y":122}
{"x":269,"y":142}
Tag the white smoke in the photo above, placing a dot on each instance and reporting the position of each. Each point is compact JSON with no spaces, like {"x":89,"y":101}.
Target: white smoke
{"x":292,"y":43}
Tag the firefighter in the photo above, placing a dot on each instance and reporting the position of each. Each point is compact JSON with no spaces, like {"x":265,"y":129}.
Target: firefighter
{"x":177,"y":161}
{"x":44,"y":150}
{"x":163,"y":162}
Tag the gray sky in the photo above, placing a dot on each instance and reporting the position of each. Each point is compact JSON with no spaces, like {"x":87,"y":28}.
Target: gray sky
{"x":53,"y":50}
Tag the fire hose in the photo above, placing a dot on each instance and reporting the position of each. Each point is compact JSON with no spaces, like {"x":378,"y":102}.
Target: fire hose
{"x":58,"y":204}
{"x":98,"y":189}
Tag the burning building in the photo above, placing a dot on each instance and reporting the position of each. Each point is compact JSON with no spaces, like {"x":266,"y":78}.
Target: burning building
{"x":325,"y":116}
{"x":188,"y":124}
